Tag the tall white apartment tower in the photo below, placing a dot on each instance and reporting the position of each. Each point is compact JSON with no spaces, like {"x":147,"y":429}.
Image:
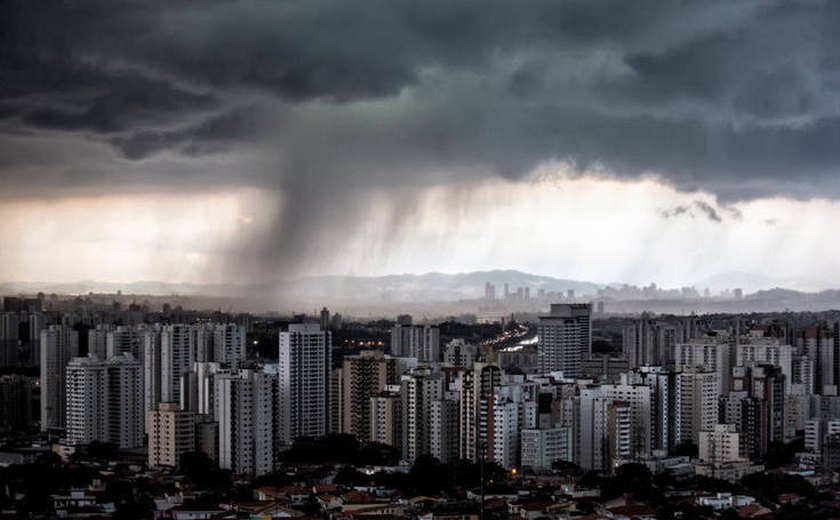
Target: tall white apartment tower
{"x":87,"y":400}
{"x":126,"y":417}
{"x":177,"y":354}
{"x":124,"y":339}
{"x":565,"y":336}
{"x":59,"y":344}
{"x":418,"y":390}
{"x":228,"y":343}
{"x":105,"y":401}
{"x":248,"y":421}
{"x":304,"y":378}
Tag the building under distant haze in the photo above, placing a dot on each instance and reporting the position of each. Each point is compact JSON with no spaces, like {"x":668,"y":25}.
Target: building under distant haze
{"x":565,"y":337}
{"x":305,"y":362}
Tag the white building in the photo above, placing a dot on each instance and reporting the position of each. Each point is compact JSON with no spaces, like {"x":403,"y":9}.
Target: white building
{"x":698,"y":404}
{"x":592,"y":430}
{"x":305,"y":362}
{"x":444,"y":421}
{"x":722,"y":444}
{"x":248,"y":440}
{"x":767,"y":351}
{"x":105,"y":401}
{"x":709,"y":354}
{"x":565,"y":336}
{"x":476,"y":388}
{"x":169,"y":352}
{"x":639,"y":398}
{"x":514,"y":409}
{"x":125,"y":339}
{"x":541,"y":448}
{"x":418,"y":391}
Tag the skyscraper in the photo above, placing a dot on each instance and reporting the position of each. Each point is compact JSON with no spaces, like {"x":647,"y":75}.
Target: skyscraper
{"x":360,"y":378}
{"x":171,"y":434}
{"x":9,"y":339}
{"x":248,"y":426}
{"x":59,"y":344}
{"x":418,"y":390}
{"x":169,"y":353}
{"x":477,"y":388}
{"x":565,"y":336}
{"x":418,"y":341}
{"x":305,"y":360}
{"x":105,"y":401}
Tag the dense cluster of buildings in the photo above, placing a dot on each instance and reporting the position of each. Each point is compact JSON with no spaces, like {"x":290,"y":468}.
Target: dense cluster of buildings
{"x":684,"y":396}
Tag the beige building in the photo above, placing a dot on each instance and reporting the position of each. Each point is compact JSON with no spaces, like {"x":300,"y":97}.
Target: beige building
{"x":359,"y":379}
{"x":722,"y":444}
{"x":171,"y":434}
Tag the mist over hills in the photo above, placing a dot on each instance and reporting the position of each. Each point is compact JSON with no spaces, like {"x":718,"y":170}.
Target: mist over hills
{"x":399,"y":287}
{"x":435,"y":291}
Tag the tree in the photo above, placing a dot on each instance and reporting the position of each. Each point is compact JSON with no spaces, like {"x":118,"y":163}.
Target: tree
{"x":199,"y":469}
{"x":566,"y":468}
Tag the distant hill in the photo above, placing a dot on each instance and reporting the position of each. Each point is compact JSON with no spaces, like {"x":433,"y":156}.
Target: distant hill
{"x":431,"y":286}
{"x":751,"y":283}
{"x":427,"y":287}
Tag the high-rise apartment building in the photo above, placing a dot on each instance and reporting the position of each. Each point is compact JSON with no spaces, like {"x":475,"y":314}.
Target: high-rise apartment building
{"x":417,"y":341}
{"x":168,"y":352}
{"x":477,"y":387}
{"x":513,"y":409}
{"x":565,"y":336}
{"x":9,"y":339}
{"x":418,"y":390}
{"x":698,"y":393}
{"x":248,"y":422}
{"x":638,"y":399}
{"x":171,"y":434}
{"x":59,"y":344}
{"x":720,"y":445}
{"x":105,"y":401}
{"x":16,"y":392}
{"x":386,"y":418}
{"x":360,"y":378}
{"x":541,"y":448}
{"x":305,"y":361}
{"x":444,"y":421}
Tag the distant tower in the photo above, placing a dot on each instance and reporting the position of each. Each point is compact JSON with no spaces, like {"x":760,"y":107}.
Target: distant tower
{"x":325,"y":319}
{"x":489,"y":291}
{"x":565,"y":336}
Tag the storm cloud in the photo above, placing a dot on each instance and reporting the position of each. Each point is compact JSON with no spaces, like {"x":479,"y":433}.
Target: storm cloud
{"x":321,"y":100}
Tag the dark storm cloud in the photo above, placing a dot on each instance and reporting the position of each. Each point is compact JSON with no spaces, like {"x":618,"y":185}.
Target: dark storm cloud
{"x":330,"y":97}
{"x":702,"y":209}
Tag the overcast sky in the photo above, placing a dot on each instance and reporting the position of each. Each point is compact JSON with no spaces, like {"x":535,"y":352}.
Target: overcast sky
{"x":238,"y":141}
